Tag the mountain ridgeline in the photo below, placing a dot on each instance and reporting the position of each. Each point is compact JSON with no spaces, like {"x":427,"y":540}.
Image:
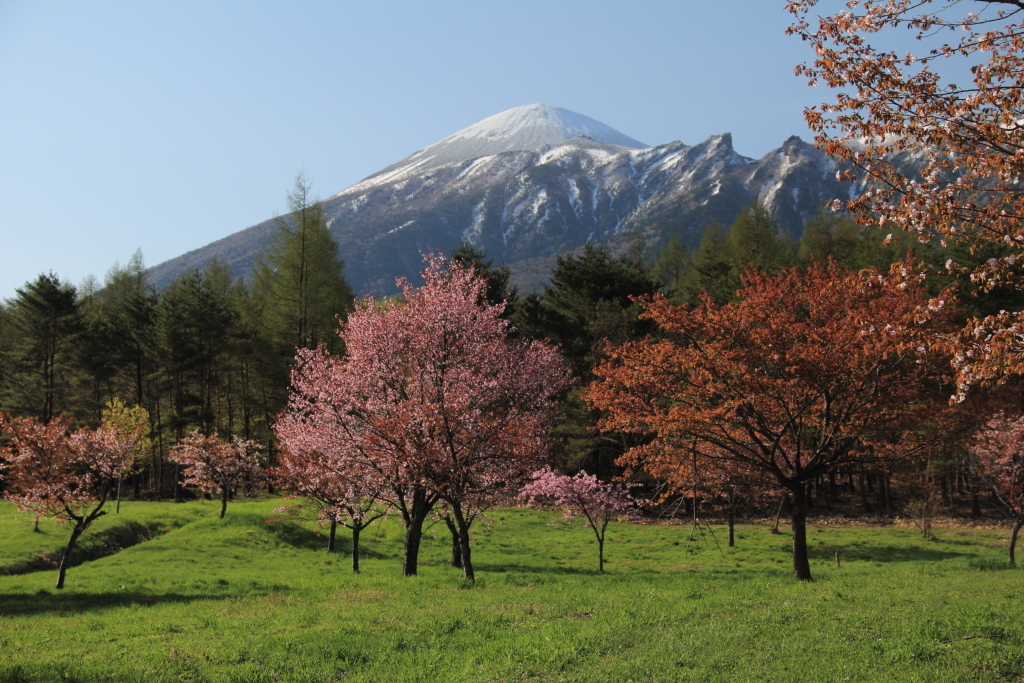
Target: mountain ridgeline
{"x":537,"y":181}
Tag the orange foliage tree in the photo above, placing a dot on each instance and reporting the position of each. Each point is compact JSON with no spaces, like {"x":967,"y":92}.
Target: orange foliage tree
{"x":965,"y":139}
{"x":805,"y":373}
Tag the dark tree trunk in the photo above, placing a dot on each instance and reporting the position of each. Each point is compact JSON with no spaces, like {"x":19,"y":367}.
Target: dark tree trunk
{"x":600,"y":549}
{"x":223,"y":502}
{"x":355,"y":546}
{"x":944,"y":490}
{"x":81,"y":524}
{"x":1013,"y":540}
{"x":801,"y":564}
{"x":732,"y":527}
{"x":975,"y":500}
{"x":65,"y":559}
{"x":464,"y":550}
{"x":887,"y":482}
{"x":456,"y":543}
{"x":415,"y":514}
{"x":864,"y":493}
{"x":331,"y":535}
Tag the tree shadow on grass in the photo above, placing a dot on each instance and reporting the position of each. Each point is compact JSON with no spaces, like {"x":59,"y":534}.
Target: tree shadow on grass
{"x":45,"y":601}
{"x":298,"y":536}
{"x":507,"y":567}
{"x":883,"y":553}
{"x":92,"y":547}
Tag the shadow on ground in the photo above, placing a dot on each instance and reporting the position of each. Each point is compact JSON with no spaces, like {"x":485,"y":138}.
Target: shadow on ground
{"x":45,"y":601}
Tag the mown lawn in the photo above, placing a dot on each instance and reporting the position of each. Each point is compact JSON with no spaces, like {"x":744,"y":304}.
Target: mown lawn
{"x":242,"y":600}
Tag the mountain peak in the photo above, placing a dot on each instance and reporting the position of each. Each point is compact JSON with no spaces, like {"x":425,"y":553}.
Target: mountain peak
{"x":534,"y":125}
{"x":527,"y":128}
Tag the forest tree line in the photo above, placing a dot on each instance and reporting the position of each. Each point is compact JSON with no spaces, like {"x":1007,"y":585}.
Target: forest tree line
{"x":214,"y":354}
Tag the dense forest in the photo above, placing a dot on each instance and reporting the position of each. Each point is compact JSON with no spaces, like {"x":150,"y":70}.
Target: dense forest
{"x":214,"y":355}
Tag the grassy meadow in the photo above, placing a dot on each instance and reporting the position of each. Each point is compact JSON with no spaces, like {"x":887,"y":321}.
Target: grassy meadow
{"x":241,"y":600}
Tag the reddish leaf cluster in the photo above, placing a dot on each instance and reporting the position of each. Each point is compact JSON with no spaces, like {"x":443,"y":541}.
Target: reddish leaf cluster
{"x":69,"y":476}
{"x":212,"y":465}
{"x":970,"y":136}
{"x":56,"y":474}
{"x":805,"y":372}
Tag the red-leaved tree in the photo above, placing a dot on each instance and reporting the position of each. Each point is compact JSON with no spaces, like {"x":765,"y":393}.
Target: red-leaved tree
{"x":804,"y":373}
{"x":583,"y":495}
{"x":942,"y":83}
{"x":998,"y":452}
{"x":211,"y":464}
{"x":67,"y":476}
{"x":435,"y":397}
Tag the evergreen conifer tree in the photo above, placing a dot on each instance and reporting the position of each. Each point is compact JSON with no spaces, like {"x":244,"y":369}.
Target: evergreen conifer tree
{"x":44,"y":322}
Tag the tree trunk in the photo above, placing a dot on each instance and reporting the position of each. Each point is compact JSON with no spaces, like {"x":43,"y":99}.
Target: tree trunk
{"x":65,"y":560}
{"x":600,"y":552}
{"x":467,"y":560}
{"x":456,"y":543}
{"x":117,"y":510}
{"x":864,"y":493}
{"x":1013,"y":540}
{"x":330,"y":537}
{"x":223,"y":502}
{"x":415,"y":514}
{"x":732,"y":528}
{"x":801,"y":564}
{"x":778,"y":515}
{"x":355,"y":546}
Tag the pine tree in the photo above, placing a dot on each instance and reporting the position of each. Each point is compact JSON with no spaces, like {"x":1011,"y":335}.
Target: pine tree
{"x":44,"y":321}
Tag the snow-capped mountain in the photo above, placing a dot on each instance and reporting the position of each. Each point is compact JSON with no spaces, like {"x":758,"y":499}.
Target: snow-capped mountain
{"x":536,"y":181}
{"x":518,"y":129}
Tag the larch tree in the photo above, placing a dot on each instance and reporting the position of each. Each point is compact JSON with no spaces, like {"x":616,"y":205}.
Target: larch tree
{"x":128,"y":420}
{"x":805,"y":372}
{"x":214,"y":465}
{"x":435,"y":397}
{"x":66,"y":476}
{"x":998,"y":452}
{"x":298,"y":287}
{"x":951,"y":107}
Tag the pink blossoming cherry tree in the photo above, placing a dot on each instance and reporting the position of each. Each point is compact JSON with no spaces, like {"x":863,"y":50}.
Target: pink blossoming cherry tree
{"x":998,"y":451}
{"x":434,"y":398}
{"x":583,"y":495}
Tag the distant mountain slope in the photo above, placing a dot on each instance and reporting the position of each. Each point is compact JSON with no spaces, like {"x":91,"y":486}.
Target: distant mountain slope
{"x":537,"y":181}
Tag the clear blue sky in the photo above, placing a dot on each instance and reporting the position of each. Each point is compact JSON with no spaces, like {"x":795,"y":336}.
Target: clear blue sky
{"x":165,"y":126}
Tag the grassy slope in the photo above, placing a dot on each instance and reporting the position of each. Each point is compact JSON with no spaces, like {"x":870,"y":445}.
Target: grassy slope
{"x":240,"y":600}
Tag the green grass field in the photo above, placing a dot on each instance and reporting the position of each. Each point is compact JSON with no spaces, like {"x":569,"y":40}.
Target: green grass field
{"x":241,"y":600}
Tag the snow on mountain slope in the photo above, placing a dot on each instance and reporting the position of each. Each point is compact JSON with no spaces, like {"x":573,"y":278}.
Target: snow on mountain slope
{"x":521,"y":128}
{"x":537,"y":181}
